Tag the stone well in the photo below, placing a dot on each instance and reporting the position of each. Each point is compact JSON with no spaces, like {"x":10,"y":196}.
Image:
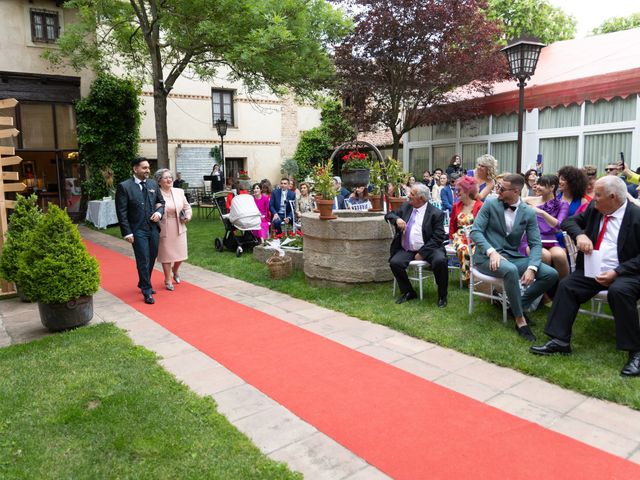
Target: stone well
{"x":353,"y":248}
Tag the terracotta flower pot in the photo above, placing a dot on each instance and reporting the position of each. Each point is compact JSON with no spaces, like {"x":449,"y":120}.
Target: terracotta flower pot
{"x":395,"y":202}
{"x":326,"y":209}
{"x":376,"y":203}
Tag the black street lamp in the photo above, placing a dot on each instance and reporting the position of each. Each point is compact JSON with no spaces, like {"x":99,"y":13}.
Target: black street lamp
{"x":221,"y":127}
{"x":522,"y":55}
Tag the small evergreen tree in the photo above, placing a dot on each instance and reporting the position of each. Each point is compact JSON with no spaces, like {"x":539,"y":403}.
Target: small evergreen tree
{"x":22,"y":222}
{"x":56,"y":267}
{"x":108,"y":132}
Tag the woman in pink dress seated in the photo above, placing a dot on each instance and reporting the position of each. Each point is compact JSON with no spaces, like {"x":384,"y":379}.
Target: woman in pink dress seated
{"x":262,"y":201}
{"x":172,"y":250}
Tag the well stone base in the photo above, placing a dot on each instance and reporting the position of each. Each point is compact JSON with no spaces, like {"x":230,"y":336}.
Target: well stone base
{"x":353,"y":248}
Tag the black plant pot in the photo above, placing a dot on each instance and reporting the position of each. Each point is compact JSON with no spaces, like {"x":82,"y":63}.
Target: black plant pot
{"x":355,"y":178}
{"x":63,"y":316}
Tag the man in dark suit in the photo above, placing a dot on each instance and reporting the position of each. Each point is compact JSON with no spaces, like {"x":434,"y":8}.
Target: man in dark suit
{"x":611,"y":225}
{"x":140,"y":206}
{"x":279,"y":205}
{"x":497,"y":232}
{"x":419,"y":236}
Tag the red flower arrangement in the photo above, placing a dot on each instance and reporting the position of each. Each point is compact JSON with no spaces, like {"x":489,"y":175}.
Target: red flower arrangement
{"x":355,"y":160}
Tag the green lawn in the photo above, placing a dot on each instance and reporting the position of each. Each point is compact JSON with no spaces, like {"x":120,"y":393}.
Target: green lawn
{"x":88,"y":404}
{"x":593,"y":368}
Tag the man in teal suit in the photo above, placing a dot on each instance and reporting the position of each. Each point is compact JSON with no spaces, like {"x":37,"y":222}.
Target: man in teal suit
{"x":497,"y":232}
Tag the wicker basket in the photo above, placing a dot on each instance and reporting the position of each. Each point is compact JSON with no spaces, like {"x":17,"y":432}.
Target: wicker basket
{"x":279,"y":267}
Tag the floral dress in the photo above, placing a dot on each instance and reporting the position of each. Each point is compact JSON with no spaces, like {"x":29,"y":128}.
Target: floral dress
{"x":459,"y":242}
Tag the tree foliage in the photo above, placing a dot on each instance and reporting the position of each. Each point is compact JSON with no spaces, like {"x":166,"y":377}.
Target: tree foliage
{"x":56,"y":267}
{"x":617,"y":24}
{"x":537,"y":18}
{"x":405,"y":55}
{"x":108,"y":122}
{"x":265,"y":43}
{"x":316,"y":145}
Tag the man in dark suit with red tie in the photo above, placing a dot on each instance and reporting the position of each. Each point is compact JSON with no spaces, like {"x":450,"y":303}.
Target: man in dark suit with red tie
{"x":140,"y":206}
{"x":610,"y":225}
{"x":419,"y":236}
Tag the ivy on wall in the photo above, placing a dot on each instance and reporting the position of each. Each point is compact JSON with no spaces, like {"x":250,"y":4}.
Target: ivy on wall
{"x":108,"y":122}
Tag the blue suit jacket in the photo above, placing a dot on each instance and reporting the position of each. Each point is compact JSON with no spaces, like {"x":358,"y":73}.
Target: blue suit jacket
{"x":490,"y":230}
{"x":276,"y":199}
{"x":446,"y":198}
{"x":130,"y":205}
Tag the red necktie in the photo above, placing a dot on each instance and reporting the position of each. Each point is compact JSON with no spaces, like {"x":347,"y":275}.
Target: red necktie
{"x":602,"y":230}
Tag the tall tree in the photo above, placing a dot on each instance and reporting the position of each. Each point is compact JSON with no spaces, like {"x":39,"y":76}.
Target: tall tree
{"x":616,"y":24}
{"x":405,"y":55}
{"x":266,"y":43}
{"x":536,"y":18}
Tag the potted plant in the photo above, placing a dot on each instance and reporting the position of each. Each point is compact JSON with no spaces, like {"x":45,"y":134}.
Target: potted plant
{"x":396,"y":177}
{"x":23,"y":220}
{"x":378,"y":183}
{"x":244,"y":182}
{"x":56,"y":271}
{"x":355,"y":169}
{"x":325,"y":189}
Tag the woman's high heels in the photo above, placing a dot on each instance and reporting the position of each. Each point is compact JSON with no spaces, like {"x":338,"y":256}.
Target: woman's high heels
{"x":169,"y":286}
{"x":176,"y":278}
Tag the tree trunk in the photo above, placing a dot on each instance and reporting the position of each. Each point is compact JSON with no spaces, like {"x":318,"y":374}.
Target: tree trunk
{"x":162,"y":134}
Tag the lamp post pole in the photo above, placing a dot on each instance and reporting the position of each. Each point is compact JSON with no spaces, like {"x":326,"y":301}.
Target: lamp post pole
{"x":221,"y":128}
{"x":522,"y":55}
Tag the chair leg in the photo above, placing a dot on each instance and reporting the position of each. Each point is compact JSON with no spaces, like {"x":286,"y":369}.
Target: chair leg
{"x":470,"y":295}
{"x":504,"y":307}
{"x":420,"y":278}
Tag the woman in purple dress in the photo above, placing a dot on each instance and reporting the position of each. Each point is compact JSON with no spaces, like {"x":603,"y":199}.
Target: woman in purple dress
{"x":550,"y":212}
{"x":262,"y":201}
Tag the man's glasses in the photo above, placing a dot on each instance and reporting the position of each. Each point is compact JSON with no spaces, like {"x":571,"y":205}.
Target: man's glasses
{"x":500,"y":188}
{"x":612,"y":169}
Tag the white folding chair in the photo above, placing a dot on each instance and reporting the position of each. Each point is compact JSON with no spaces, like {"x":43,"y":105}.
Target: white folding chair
{"x":477,"y":278}
{"x":295,"y":224}
{"x":452,"y":259}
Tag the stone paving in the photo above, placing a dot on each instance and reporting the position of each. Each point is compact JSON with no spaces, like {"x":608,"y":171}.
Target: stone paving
{"x":285,"y":437}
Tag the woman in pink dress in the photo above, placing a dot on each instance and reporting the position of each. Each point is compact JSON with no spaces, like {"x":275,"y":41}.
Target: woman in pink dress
{"x":172,"y":250}
{"x":262,"y":201}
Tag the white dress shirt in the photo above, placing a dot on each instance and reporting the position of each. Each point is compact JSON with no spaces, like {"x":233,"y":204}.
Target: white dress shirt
{"x":415,"y":236}
{"x":609,"y":244}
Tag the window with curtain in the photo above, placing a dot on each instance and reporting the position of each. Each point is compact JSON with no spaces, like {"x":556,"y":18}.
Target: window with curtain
{"x":442,"y":155}
{"x":222,"y":104}
{"x":559,"y":117}
{"x":475,"y":127}
{"x":45,"y":26}
{"x":418,"y":161}
{"x":506,"y":123}
{"x":616,"y":110}
{"x":66,"y":126}
{"x":420,"y":134}
{"x":558,"y":152}
{"x":602,"y":149}
{"x":506,"y":154}
{"x":442,"y":131}
{"x":470,"y":152}
{"x":36,"y":121}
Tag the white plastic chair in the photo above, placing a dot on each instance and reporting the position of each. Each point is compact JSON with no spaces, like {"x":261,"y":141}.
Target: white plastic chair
{"x":477,"y":278}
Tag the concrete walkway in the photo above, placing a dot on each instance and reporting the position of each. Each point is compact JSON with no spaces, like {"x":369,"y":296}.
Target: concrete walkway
{"x":285,"y":437}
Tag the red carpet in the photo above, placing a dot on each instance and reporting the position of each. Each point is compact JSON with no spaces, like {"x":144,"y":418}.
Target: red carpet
{"x":405,"y":426}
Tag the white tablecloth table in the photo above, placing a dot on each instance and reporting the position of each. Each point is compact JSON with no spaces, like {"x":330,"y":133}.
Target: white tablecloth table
{"x":102,"y":213}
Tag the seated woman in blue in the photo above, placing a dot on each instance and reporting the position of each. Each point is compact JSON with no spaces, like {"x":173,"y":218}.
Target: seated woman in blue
{"x":485,"y":174}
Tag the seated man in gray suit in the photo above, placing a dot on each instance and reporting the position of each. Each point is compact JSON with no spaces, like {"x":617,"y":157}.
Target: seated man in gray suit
{"x":497,"y":232}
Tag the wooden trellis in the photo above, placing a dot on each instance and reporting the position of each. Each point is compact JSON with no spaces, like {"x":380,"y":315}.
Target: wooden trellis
{"x":7,"y":158}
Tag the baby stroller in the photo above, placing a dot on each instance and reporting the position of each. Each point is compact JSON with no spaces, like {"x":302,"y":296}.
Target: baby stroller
{"x":243,"y":217}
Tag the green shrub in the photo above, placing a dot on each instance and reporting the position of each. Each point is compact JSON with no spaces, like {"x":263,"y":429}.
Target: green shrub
{"x":56,"y":267}
{"x":22,"y":222}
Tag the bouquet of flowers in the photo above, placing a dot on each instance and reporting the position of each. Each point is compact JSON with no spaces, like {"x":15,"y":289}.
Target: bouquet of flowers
{"x":243,"y":175}
{"x":290,"y":240}
{"x":355,"y":160}
{"x":323,"y":180}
